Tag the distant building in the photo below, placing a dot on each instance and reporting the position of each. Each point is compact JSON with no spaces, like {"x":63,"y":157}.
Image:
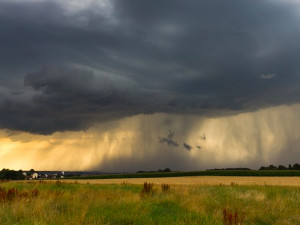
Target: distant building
{"x":44,"y":176}
{"x":52,"y":176}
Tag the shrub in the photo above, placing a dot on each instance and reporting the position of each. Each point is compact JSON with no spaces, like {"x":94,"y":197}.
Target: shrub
{"x":124,"y":183}
{"x":35,"y":192}
{"x":58,"y":183}
{"x":232,"y":218}
{"x":13,"y":193}
{"x":147,"y":189}
{"x":165,"y":187}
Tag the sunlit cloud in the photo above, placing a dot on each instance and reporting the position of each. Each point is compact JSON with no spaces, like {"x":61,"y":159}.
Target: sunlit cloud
{"x":246,"y":140}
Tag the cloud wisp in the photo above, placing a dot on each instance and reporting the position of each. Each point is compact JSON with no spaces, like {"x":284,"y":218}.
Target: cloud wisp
{"x":187,"y":146}
{"x":169,"y":139}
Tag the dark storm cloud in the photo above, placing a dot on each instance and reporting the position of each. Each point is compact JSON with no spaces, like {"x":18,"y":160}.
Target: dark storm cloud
{"x":169,"y":139}
{"x":69,"y":98}
{"x":64,"y":67}
{"x":187,"y":146}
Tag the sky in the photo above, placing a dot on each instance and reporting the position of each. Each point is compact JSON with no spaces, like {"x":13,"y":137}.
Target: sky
{"x":114,"y":85}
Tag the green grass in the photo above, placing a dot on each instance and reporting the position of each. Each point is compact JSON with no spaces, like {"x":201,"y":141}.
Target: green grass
{"x":73,"y":203}
{"x":256,"y":173}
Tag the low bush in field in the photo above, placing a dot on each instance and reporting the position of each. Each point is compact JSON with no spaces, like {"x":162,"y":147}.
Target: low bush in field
{"x":147,"y":189}
{"x":58,"y":183}
{"x":165,"y":187}
{"x":230,"y":218}
{"x":13,"y":193}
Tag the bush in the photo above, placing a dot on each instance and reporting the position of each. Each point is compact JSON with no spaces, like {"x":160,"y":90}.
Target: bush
{"x":232,"y":218}
{"x":13,"y":193}
{"x":147,"y":189}
{"x":165,"y":187}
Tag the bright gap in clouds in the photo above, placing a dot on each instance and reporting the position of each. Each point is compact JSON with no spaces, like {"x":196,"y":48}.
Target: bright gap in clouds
{"x":75,"y":6}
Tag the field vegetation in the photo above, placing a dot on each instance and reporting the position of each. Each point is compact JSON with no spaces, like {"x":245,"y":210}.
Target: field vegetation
{"x":269,"y":171}
{"x":250,"y":173}
{"x":44,"y":202}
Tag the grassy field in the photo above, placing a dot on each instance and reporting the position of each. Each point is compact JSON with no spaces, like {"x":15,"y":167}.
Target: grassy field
{"x":77,"y":203}
{"x":200,"y":180}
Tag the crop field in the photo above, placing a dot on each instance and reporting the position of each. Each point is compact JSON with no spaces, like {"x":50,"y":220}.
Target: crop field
{"x":184,"y":202}
{"x":200,"y":180}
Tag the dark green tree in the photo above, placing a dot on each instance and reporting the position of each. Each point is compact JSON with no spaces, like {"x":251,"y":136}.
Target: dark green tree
{"x":6,"y":174}
{"x":271,"y":167}
{"x":262,"y":168}
{"x":296,"y":166}
{"x":281,"y":167}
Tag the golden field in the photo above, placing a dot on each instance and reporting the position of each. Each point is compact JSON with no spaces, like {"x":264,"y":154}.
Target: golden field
{"x":187,"y":200}
{"x":201,"y":180}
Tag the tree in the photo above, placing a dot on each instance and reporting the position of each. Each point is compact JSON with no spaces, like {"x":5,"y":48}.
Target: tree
{"x":7,"y":174}
{"x":262,"y":168}
{"x":167,"y":170}
{"x":271,"y":167}
{"x":281,"y":167}
{"x":296,"y":166}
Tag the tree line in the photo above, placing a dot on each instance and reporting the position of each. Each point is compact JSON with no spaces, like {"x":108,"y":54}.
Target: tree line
{"x":166,"y":170}
{"x":296,"y":166}
{"x":6,"y":174}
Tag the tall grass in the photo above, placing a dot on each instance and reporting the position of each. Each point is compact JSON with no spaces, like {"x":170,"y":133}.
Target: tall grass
{"x":74,"y":203}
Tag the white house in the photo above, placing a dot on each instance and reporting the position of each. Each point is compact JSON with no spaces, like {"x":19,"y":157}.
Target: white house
{"x":34,"y":176}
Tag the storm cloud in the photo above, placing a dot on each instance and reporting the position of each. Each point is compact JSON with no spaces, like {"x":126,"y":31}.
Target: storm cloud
{"x":267,"y":136}
{"x":66,"y":65}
